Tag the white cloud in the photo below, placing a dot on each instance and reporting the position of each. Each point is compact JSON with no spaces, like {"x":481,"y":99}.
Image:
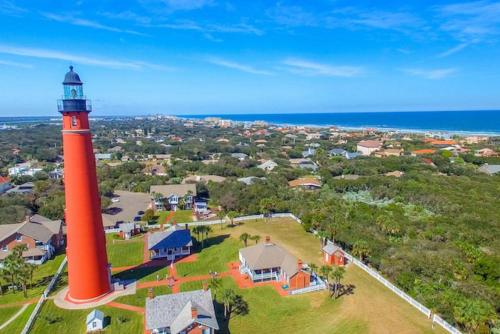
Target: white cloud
{"x":15,"y":64}
{"x":471,"y":20}
{"x":431,"y":74}
{"x":79,"y":59}
{"x":87,"y":23}
{"x":237,"y":66}
{"x":306,"y":67}
{"x":9,"y":8}
{"x":187,"y":4}
{"x":453,"y":50}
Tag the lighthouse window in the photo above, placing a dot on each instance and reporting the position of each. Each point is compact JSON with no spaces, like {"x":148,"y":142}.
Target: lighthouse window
{"x":74,"y":122}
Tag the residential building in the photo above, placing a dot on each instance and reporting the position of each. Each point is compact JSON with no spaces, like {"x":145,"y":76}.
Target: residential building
{"x":343,"y":153}
{"x":173,"y":196}
{"x":4,"y":184}
{"x":203,"y":179}
{"x":239,"y":156}
{"x":23,"y":169}
{"x":269,"y":262}
{"x":41,"y":236}
{"x":389,"y":152}
{"x":307,"y":183}
{"x":173,"y":243}
{"x":128,"y":230}
{"x":25,"y":188}
{"x":103,"y":156}
{"x":486,"y":152}
{"x":309,"y":152}
{"x":333,"y":254}
{"x":304,"y":164}
{"x":490,"y":169}
{"x":268,"y":165}
{"x":424,"y":151}
{"x":367,"y":147}
{"x":249,"y":180}
{"x":189,"y":312}
{"x":95,"y":321}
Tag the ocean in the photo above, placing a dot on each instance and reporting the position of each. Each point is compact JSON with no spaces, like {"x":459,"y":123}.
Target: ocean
{"x":476,"y":122}
{"x":466,"y":122}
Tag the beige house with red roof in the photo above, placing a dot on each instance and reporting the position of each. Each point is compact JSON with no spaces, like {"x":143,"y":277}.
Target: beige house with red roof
{"x":367,"y":147}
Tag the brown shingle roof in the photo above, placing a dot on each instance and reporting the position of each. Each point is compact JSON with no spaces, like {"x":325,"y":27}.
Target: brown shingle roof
{"x":268,"y":255}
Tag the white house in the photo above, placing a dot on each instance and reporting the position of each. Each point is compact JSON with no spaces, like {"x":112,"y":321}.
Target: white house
{"x":367,"y":147}
{"x":173,"y":195}
{"x":268,"y":165}
{"x":23,"y":169}
{"x":173,"y":243}
{"x":95,"y":321}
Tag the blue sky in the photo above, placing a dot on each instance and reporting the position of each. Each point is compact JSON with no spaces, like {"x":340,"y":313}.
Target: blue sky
{"x":212,"y":56}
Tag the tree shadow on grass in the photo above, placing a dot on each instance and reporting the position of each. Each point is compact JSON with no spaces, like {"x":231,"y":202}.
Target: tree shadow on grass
{"x":209,"y":242}
{"x":223,"y":323}
{"x":137,"y":273}
{"x":346,"y":289}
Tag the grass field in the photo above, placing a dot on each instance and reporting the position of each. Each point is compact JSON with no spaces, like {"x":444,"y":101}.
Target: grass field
{"x":371,"y":308}
{"x":55,"y":320}
{"x":180,"y":216}
{"x":123,"y":253}
{"x":17,"y":325}
{"x":139,"y":299}
{"x":41,"y":278}
{"x":7,"y":312}
{"x":218,"y":251}
{"x":143,"y":274}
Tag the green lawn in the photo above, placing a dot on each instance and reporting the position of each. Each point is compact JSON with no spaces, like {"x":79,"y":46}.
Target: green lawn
{"x":41,"y":278}
{"x":7,"y":312}
{"x":55,"y":320}
{"x":180,"y":216}
{"x":17,"y":325}
{"x":269,"y":312}
{"x":218,"y":251}
{"x":139,"y":299}
{"x":123,"y":253}
{"x":143,"y":274}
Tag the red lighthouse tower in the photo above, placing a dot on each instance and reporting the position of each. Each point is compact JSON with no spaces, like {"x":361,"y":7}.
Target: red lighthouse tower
{"x":88,"y":269}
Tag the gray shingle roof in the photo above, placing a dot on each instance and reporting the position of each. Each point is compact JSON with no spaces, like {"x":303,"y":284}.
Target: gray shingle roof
{"x":174,"y":189}
{"x":174,"y":311}
{"x":268,"y":255}
{"x":331,"y":248}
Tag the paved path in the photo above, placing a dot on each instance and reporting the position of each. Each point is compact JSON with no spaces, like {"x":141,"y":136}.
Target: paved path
{"x":5,"y":324}
{"x":126,"y":307}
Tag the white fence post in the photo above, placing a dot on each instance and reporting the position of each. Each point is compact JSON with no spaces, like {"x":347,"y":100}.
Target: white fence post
{"x":43,"y":297}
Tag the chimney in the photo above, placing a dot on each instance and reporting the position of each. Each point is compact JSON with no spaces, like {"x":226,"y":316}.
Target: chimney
{"x":268,"y":239}
{"x":299,"y":264}
{"x":205,"y":286}
{"x":150,"y":293}
{"x":187,"y":227}
{"x":194,"y":312}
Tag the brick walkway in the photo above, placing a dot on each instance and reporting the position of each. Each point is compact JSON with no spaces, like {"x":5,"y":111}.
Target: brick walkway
{"x":20,"y":303}
{"x":126,"y":307}
{"x":242,"y":281}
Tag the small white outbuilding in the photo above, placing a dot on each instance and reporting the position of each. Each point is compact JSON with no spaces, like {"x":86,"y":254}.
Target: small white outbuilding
{"x":95,"y":321}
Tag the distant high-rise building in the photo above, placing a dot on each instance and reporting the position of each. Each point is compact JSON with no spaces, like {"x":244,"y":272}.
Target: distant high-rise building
{"x":88,"y":268}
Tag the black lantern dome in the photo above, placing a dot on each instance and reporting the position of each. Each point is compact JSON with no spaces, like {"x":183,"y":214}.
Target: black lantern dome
{"x":72,"y":78}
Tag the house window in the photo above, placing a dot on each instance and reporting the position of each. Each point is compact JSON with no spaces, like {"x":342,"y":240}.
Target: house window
{"x":19,"y":237}
{"x":4,"y":248}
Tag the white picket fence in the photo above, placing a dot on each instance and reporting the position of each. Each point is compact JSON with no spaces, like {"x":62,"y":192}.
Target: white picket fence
{"x":435,"y":318}
{"x":43,"y":297}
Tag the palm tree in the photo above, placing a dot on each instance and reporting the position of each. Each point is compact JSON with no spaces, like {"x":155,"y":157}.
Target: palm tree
{"x":313,"y":267}
{"x":244,"y":237}
{"x":231,"y":215}
{"x":227,"y":296}
{"x":361,"y":249}
{"x":221,"y":214}
{"x":325,"y":271}
{"x":255,"y":238}
{"x":336,"y":275}
{"x":215,"y":284}
{"x":322,"y":238}
{"x":198,"y":230}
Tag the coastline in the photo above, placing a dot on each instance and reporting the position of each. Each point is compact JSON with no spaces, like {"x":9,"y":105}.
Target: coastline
{"x":6,"y":122}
